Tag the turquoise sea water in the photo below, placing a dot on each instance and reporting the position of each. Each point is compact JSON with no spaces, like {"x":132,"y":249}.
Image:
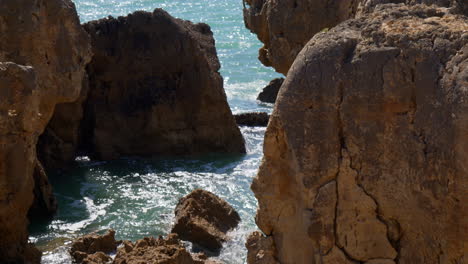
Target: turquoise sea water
{"x":137,"y":197}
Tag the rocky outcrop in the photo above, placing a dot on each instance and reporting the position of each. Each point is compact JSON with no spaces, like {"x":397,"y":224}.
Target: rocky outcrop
{"x":261,"y":249}
{"x":44,"y":204}
{"x":87,"y":246}
{"x":204,"y":218}
{"x":366,"y":151}
{"x":43,"y":52}
{"x":286,"y":26}
{"x":161,"y":250}
{"x":270,"y":92}
{"x":252,"y":119}
{"x":154,"y":88}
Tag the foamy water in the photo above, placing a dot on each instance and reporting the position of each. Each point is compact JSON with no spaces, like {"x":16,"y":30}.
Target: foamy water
{"x":137,"y":197}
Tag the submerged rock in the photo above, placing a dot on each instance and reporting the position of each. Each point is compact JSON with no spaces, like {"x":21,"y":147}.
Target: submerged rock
{"x":252,"y":119}
{"x":87,"y":246}
{"x":366,"y":150}
{"x":43,"y":52}
{"x":162,"y":251}
{"x":154,"y":89}
{"x":270,"y":92}
{"x":286,"y":26}
{"x":204,"y":218}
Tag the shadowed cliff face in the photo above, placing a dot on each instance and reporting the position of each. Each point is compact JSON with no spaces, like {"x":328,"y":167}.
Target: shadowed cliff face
{"x":366,"y":152}
{"x":285,"y":26}
{"x":45,"y":37}
{"x":154,"y":88}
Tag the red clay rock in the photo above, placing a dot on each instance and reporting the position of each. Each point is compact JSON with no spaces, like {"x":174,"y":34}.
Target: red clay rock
{"x":366,"y":151}
{"x":204,"y":218}
{"x":261,"y":249}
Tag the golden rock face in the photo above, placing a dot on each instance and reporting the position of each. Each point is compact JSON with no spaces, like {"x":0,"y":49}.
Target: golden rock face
{"x":365,"y":152}
{"x":43,"y":53}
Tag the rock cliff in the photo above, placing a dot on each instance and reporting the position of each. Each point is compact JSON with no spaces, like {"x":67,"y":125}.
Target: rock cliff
{"x":43,"y":53}
{"x":366,"y":151}
{"x":154,"y":88}
{"x":286,"y":26}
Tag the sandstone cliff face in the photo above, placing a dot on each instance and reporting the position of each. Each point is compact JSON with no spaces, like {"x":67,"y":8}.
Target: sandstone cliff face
{"x":285,"y":26}
{"x":45,"y":37}
{"x":366,"y":152}
{"x":154,"y":88}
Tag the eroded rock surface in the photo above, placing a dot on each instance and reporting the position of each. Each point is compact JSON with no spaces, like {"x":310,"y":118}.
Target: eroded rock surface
{"x":155,"y":89}
{"x":161,"y":250}
{"x":261,"y":249}
{"x":43,"y":52}
{"x":204,"y":218}
{"x":270,"y":92}
{"x":366,"y":151}
{"x":87,"y":246}
{"x":286,"y":26}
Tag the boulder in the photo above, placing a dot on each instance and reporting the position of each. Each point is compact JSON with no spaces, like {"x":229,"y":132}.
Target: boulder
{"x":270,"y":92}
{"x":366,"y":151}
{"x":204,"y":219}
{"x":150,"y":250}
{"x":286,"y":26}
{"x":84,"y":247}
{"x":252,"y":119}
{"x":43,"y":53}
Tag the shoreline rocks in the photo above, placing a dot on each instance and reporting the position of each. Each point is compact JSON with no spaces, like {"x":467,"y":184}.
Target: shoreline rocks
{"x":366,"y":150}
{"x":204,"y":219}
{"x":93,"y":247}
{"x":270,"y":92}
{"x":252,"y":119}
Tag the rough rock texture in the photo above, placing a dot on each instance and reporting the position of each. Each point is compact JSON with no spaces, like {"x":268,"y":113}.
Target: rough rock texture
{"x":252,"y":119}
{"x":270,"y":92}
{"x":261,"y":249}
{"x":90,"y":244}
{"x":58,"y":145}
{"x":366,"y":152}
{"x":155,"y":89}
{"x":162,"y":251}
{"x":204,"y":218}
{"x":44,"y":204}
{"x":286,"y":26}
{"x":47,"y":36}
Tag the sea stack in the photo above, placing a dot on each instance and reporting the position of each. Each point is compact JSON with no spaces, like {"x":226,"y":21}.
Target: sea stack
{"x":154,"y":89}
{"x":366,"y":151}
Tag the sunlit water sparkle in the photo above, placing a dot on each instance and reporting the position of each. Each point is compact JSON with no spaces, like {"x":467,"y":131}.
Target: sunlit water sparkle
{"x":136,"y":196}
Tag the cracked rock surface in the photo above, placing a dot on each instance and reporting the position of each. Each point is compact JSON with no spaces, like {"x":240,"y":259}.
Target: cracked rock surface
{"x":366,"y":151}
{"x":285,"y":26}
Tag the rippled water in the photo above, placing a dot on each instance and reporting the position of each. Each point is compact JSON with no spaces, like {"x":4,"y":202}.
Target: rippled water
{"x":137,"y":197}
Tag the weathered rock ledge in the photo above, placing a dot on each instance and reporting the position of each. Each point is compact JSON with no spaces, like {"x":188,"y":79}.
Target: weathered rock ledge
{"x":366,"y":151}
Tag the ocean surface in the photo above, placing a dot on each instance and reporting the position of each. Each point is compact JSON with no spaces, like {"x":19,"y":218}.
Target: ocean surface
{"x":137,"y":197}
